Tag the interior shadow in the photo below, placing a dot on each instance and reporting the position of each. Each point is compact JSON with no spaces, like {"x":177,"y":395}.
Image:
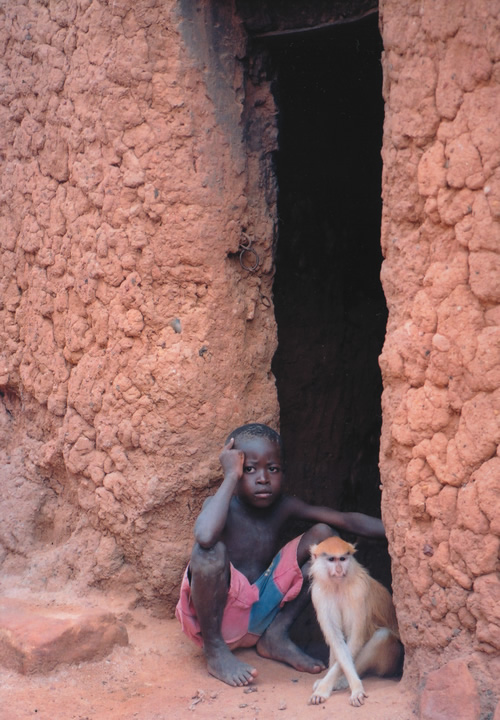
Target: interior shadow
{"x":329,"y":303}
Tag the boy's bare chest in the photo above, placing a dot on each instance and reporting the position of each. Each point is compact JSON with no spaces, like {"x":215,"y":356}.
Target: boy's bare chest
{"x":251,"y":543}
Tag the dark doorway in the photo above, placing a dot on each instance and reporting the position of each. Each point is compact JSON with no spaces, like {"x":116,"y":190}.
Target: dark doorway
{"x":329,"y":303}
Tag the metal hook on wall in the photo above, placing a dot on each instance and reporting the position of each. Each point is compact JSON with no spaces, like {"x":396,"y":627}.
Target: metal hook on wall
{"x":249,"y":259}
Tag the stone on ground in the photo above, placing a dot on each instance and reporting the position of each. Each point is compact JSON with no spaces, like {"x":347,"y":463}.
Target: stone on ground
{"x":450,"y":693}
{"x":37,"y":639}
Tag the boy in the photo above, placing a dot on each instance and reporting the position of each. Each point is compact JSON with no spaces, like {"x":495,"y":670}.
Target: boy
{"x":237,"y":592}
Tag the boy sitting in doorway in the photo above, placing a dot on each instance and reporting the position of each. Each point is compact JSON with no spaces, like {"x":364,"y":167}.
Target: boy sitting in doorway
{"x":238,"y":590}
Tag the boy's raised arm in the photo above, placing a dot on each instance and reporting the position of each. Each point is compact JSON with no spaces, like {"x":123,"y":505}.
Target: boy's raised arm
{"x":212,"y":518}
{"x":354,"y":522}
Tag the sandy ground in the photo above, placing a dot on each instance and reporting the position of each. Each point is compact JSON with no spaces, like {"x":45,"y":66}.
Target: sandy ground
{"x":160,"y":675}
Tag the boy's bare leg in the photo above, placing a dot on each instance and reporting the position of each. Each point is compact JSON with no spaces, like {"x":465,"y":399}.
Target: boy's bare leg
{"x":209,"y":588}
{"x":275,"y":643}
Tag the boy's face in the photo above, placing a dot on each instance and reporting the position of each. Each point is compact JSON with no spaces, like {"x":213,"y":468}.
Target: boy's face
{"x":260,"y":484}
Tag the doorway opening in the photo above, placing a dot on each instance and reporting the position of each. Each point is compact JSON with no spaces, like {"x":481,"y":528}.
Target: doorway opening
{"x":329,"y":303}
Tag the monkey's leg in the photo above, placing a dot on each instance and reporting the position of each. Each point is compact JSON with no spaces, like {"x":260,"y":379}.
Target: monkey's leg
{"x":340,"y":681}
{"x":322,"y":689}
{"x":381,"y":655}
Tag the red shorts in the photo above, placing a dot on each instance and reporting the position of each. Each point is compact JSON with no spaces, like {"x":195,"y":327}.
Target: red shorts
{"x":250,"y":608}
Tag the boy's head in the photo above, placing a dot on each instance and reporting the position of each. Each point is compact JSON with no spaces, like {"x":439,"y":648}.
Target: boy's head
{"x":256,"y":430}
{"x":260,"y":484}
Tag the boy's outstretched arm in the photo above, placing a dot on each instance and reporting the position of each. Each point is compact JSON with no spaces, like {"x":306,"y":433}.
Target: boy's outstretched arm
{"x":354,"y":522}
{"x":212,"y":518}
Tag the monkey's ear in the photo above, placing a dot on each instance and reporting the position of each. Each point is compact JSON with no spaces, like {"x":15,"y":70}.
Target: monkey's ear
{"x":312,"y":550}
{"x":354,"y":547}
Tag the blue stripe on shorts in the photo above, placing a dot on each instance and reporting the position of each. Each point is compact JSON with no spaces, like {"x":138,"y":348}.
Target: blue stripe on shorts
{"x":267,"y":606}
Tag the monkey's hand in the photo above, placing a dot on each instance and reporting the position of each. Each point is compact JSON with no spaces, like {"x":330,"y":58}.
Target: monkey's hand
{"x":358,"y":696}
{"x":321,"y":691}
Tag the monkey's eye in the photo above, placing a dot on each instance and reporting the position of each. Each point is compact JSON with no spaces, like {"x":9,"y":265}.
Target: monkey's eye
{"x":331,"y":558}
{"x":342,"y":559}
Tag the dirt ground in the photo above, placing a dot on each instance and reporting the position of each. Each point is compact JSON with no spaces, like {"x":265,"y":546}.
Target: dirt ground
{"x":161,"y":675}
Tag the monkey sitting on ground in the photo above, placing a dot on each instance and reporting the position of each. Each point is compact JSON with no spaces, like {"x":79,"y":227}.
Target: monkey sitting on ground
{"x":357,"y":618}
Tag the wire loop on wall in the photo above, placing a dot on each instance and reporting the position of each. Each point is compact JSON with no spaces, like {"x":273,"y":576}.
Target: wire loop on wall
{"x":249,"y":259}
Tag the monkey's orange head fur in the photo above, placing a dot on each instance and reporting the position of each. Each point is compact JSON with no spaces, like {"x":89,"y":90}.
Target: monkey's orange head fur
{"x":333,"y":546}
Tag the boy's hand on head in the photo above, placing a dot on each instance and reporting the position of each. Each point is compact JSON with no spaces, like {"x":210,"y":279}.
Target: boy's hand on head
{"x":212,"y":519}
{"x":232,"y":460}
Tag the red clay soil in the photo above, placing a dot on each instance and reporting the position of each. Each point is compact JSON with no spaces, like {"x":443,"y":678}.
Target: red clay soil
{"x":161,"y":675}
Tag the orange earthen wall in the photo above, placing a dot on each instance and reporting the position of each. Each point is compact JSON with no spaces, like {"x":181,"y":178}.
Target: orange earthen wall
{"x":131,"y":339}
{"x":441,"y":359}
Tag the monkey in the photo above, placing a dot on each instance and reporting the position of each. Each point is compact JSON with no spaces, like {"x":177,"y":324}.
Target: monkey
{"x":357,"y":618}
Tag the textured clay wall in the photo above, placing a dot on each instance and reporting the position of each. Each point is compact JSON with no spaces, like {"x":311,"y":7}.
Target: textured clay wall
{"x":131,"y":339}
{"x":441,"y":359}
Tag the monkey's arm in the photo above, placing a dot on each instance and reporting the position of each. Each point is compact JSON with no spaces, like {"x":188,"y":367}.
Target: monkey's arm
{"x":353,"y":522}
{"x":356,"y":617}
{"x":331,"y":623}
{"x":344,"y":663}
{"x":330,"y":627}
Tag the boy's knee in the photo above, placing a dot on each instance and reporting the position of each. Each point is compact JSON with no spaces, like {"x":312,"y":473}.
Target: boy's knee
{"x":316,"y":534}
{"x":321,"y":532}
{"x":209,"y":561}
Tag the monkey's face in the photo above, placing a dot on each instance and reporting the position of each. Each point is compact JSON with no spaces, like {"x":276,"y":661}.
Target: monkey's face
{"x":337,"y":565}
{"x":326,"y":566}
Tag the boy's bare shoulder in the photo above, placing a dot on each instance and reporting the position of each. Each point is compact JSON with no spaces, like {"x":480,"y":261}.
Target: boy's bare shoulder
{"x":290,"y":506}
{"x":294,"y":507}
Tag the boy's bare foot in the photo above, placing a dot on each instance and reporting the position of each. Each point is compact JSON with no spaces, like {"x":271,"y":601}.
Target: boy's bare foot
{"x":222,"y":664}
{"x":279,"y":647}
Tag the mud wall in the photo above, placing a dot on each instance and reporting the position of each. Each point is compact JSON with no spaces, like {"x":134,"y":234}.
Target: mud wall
{"x":441,"y":403}
{"x":132,"y":340}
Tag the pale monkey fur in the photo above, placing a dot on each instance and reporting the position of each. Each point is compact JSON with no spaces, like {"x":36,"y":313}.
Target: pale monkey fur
{"x":357,"y":618}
